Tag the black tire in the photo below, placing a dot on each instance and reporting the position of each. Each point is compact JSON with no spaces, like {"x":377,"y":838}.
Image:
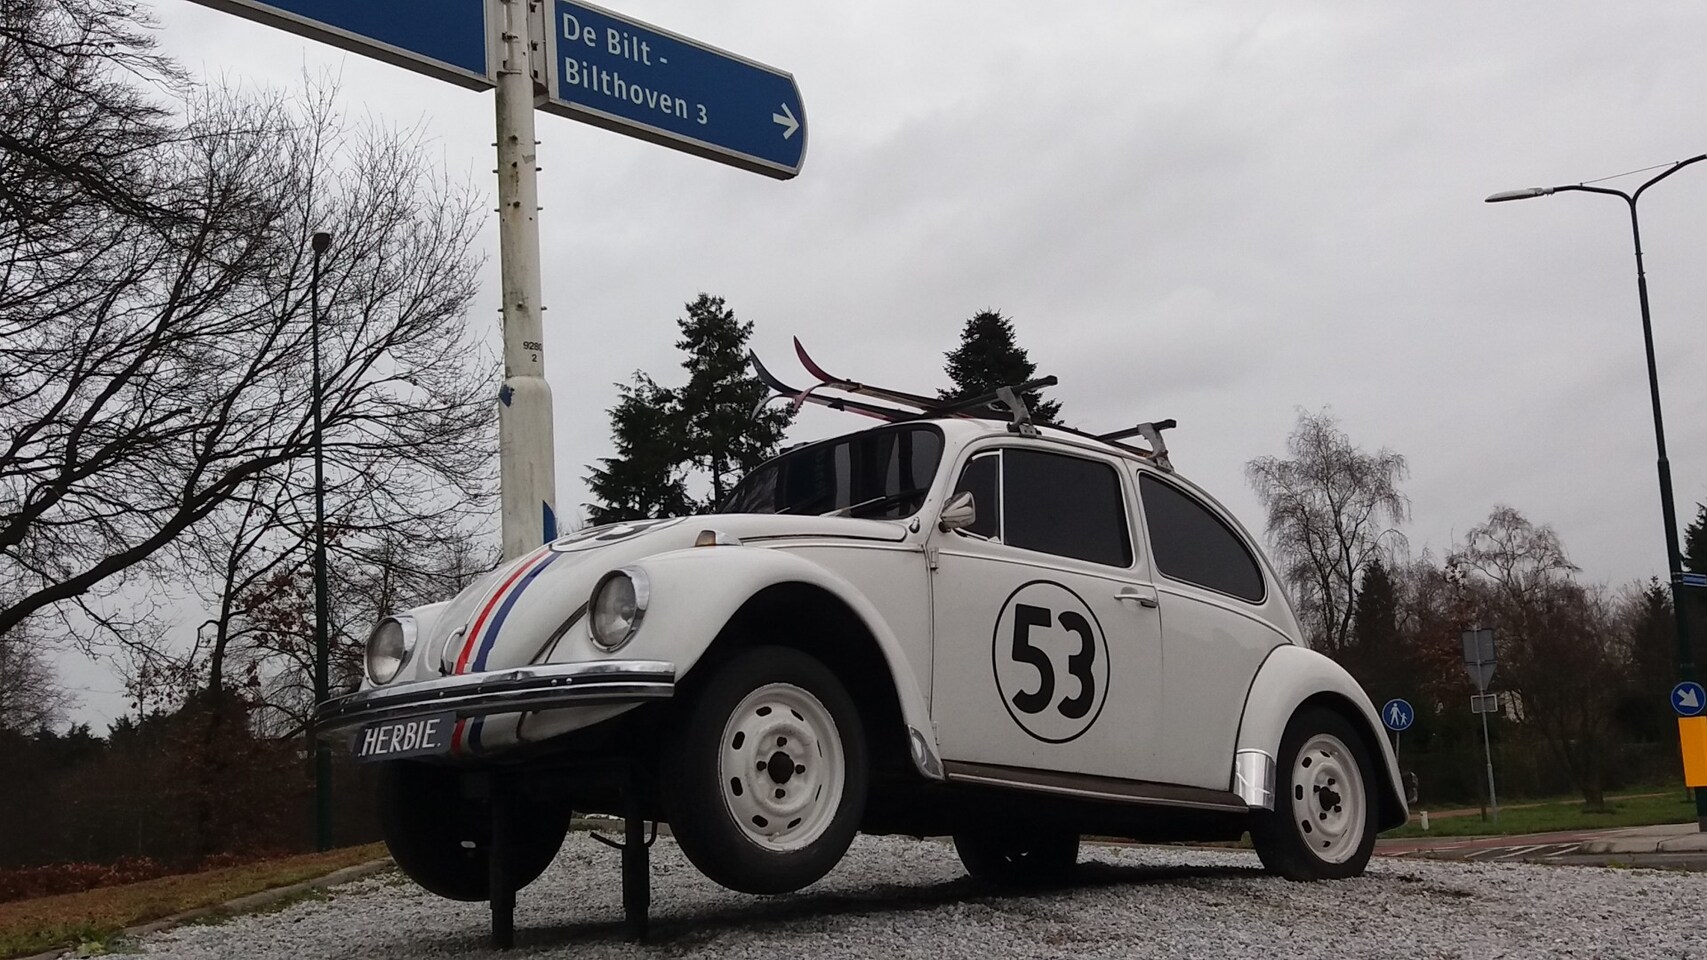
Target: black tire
{"x":782,"y":822}
{"x":1323,"y":824}
{"x":1018,"y":855}
{"x":426,"y":821}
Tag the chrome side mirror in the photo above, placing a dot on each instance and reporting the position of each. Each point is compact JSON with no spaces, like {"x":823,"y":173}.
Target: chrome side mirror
{"x":959,"y":512}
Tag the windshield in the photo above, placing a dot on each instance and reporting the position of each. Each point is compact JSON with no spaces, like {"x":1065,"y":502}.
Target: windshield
{"x":880,"y":473}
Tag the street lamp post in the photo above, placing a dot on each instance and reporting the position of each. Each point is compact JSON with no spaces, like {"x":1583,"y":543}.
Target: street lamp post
{"x":1668,"y":509}
{"x":322,"y":678}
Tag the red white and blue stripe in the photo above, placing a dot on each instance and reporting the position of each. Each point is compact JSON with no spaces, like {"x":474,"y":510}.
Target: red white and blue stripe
{"x":482,"y":634}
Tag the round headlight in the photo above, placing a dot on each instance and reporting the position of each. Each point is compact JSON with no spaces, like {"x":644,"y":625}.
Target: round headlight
{"x":388,"y":648}
{"x":617,"y":606}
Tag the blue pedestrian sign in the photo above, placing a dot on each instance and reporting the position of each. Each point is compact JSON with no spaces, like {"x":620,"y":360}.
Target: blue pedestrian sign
{"x":1689,"y":699}
{"x":613,"y":72}
{"x":1398,"y":715}
{"x":447,"y":39}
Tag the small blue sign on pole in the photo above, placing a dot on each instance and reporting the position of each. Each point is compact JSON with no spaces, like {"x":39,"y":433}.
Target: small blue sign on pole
{"x":1398,"y":715}
{"x":646,"y":82}
{"x":1689,"y":699}
{"x":447,"y":39}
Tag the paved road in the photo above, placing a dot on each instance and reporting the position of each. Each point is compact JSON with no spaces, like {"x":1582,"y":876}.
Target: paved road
{"x":906,"y":898}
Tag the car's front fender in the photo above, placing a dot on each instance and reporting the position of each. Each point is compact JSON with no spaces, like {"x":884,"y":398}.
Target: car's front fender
{"x":695,"y":592}
{"x":1288,"y":677}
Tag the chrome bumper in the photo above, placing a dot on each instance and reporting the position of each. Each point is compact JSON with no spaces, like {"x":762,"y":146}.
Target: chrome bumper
{"x":521,"y":690}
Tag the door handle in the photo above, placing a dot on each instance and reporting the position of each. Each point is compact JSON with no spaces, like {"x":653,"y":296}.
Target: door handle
{"x":1144,"y":599}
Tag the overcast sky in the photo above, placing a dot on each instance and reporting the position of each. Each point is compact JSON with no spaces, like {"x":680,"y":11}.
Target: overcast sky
{"x":1219,"y":213}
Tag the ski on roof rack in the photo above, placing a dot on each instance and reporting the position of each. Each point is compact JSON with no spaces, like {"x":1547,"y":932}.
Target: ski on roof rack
{"x":1004,"y":402}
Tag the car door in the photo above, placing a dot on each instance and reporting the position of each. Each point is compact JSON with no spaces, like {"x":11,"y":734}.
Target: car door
{"x":1217,"y":628}
{"x":1047,"y":644}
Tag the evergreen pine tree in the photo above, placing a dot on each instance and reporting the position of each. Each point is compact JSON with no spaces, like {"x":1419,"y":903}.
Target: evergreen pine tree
{"x":1374,"y":655}
{"x":644,"y":479}
{"x":1695,"y":541}
{"x":720,"y":433}
{"x":988,"y":358}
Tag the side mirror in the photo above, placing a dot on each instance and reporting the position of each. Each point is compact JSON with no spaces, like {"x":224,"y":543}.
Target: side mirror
{"x":960,"y":511}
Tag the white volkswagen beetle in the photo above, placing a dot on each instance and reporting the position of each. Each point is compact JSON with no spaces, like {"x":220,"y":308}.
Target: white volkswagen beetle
{"x":943,"y":625}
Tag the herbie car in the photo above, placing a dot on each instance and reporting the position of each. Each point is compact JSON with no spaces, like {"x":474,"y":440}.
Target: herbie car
{"x":953,"y":623}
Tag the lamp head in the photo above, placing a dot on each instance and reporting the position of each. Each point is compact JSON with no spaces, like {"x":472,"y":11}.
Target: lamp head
{"x":322,"y":241}
{"x":1523,"y":194}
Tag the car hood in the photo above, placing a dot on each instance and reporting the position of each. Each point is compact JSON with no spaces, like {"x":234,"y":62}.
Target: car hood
{"x":510,"y":616}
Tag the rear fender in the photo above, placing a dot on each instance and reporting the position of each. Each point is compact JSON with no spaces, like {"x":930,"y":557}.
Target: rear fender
{"x":1289,"y":677}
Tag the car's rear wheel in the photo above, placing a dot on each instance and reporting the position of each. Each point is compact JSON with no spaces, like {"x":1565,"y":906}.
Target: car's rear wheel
{"x":1018,"y":855}
{"x":765,"y":782}
{"x":442,"y":840}
{"x":1322,"y":826}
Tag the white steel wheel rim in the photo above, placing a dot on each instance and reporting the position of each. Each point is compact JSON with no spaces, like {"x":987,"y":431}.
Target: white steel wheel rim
{"x":1329,"y":804}
{"x":781,"y":767}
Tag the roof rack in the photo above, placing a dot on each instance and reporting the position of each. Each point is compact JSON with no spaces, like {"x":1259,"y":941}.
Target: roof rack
{"x":1005,"y":402}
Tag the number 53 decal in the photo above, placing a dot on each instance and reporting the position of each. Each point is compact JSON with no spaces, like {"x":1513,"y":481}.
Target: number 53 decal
{"x":1051,"y":661}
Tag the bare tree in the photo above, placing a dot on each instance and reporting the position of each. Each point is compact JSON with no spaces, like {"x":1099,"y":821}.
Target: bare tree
{"x":1332,"y":510}
{"x":1559,"y":642}
{"x":163,"y":378}
{"x":31,"y":696}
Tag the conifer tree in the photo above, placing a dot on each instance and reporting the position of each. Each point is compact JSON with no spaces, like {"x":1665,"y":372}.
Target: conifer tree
{"x":988,"y":358}
{"x":1695,"y":541}
{"x":720,"y":433}
{"x":644,"y":480}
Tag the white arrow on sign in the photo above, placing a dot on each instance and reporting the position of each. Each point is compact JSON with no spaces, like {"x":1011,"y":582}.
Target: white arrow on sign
{"x":1687,"y":699}
{"x":786,"y":118}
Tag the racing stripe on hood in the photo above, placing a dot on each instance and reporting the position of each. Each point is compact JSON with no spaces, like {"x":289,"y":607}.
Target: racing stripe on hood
{"x":479,"y":638}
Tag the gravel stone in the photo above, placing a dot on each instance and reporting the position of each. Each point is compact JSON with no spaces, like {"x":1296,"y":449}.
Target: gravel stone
{"x":906,"y":898}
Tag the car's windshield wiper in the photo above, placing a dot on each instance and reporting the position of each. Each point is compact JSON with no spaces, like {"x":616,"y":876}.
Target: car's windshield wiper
{"x":883,"y":500}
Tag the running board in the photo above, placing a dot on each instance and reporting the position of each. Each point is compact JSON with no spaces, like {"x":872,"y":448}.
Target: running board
{"x":1093,"y":788}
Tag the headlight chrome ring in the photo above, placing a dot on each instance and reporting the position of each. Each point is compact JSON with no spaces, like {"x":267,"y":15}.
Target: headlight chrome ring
{"x":389,"y":647}
{"x":617,"y":606}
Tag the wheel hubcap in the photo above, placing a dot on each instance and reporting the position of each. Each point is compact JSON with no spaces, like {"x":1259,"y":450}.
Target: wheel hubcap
{"x":782,"y":767}
{"x":1328,"y":799}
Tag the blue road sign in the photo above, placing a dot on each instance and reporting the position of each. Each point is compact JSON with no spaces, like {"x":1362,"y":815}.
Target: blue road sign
{"x":1398,"y":715}
{"x":448,"y":39}
{"x":637,"y":79}
{"x":1692,"y":579}
{"x":1689,"y":699}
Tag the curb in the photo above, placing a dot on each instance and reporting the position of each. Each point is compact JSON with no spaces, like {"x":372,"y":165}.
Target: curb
{"x":238,"y":905}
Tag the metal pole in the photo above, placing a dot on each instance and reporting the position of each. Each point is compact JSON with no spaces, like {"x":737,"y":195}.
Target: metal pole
{"x":527,"y":471}
{"x":322,"y":678}
{"x":1668,"y":508}
{"x":1488,"y":750}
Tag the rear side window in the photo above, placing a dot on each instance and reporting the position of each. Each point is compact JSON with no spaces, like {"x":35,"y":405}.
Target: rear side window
{"x":1191,"y":543}
{"x":1067,"y":506}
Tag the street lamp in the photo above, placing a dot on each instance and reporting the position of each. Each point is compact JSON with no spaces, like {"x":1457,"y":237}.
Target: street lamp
{"x":1674,"y":555}
{"x":322,"y":679}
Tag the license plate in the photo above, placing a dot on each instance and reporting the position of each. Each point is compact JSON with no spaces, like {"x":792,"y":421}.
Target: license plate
{"x":414,"y":737}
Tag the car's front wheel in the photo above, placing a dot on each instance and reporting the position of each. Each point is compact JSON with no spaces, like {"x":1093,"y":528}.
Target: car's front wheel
{"x":765,"y":782}
{"x":441,"y":839}
{"x":1322,"y":826}
{"x":1019,"y":855}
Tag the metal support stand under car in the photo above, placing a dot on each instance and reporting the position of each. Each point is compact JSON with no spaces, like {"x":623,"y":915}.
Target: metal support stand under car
{"x":500,"y":858}
{"x":636,"y":862}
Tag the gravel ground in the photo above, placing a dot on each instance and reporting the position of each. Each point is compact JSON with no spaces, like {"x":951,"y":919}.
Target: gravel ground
{"x":907,"y":898}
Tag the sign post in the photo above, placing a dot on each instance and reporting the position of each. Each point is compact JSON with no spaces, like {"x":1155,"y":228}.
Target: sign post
{"x":1397,"y":715}
{"x":1479,"y":660}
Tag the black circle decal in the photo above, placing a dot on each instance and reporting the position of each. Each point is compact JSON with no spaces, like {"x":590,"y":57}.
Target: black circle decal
{"x":1051,"y":661}
{"x":609,"y":533}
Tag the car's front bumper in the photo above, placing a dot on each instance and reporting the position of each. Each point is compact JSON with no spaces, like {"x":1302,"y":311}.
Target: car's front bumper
{"x":520,"y":690}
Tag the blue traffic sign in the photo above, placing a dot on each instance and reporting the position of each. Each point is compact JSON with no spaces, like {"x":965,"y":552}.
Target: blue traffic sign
{"x":1398,"y":715}
{"x":1689,"y":699}
{"x":646,"y":82}
{"x":447,"y":39}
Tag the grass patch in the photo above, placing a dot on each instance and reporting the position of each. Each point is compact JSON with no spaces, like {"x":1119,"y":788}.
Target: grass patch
{"x":95,"y":917}
{"x":1622,"y":811}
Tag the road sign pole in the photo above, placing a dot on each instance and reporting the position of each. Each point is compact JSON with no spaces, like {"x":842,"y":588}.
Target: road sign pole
{"x":527,"y":477}
{"x":1488,"y":750}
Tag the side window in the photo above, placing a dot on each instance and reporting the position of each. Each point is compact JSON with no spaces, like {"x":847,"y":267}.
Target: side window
{"x":1192,"y":544}
{"x":1067,"y":506}
{"x":982,"y":476}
